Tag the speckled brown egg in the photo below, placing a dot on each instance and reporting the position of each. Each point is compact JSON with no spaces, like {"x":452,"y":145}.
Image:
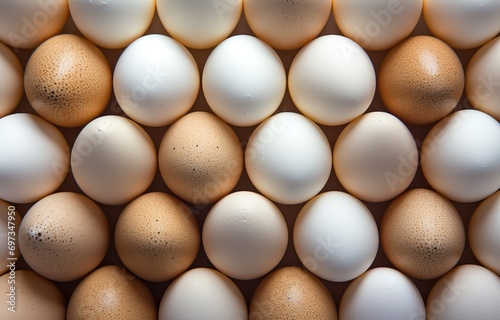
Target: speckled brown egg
{"x":111,"y":293}
{"x":421,"y":80}
{"x":64,"y":236}
{"x":422,"y":234}
{"x":291,"y":293}
{"x":68,"y":80}
{"x":157,"y":237}
{"x":200,"y":158}
{"x":289,"y":24}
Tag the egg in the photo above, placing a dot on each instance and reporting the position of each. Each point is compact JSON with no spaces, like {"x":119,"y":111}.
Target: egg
{"x":382,"y":294}
{"x":332,"y":80}
{"x":287,"y":25}
{"x":199,"y":24}
{"x":460,"y":156}
{"x":291,"y":293}
{"x":422,"y":234}
{"x":200,"y":158}
{"x":9,"y":229}
{"x":110,"y":293}
{"x":156,"y":80}
{"x":11,"y":89}
{"x":244,"y":80}
{"x":245,"y":235}
{"x":463,"y":24}
{"x":375,"y":24}
{"x":113,"y":160}
{"x":421,"y":80}
{"x":35,"y":158}
{"x":375,"y":157}
{"x":484,"y":238}
{"x":25,"y":24}
{"x":64,"y":236}
{"x":335,"y":236}
{"x":466,"y":292}
{"x":482,"y":76}
{"x":30,"y":296}
{"x":288,"y":158}
{"x":157,"y":237}
{"x":112,"y":24}
{"x":202,"y":293}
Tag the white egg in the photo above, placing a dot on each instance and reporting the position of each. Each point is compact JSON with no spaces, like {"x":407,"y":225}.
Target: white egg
{"x":199,"y":24}
{"x":244,"y":80}
{"x":461,"y":156}
{"x":112,"y":23}
{"x":113,"y":160}
{"x":35,"y":158}
{"x":245,"y":235}
{"x":11,"y":88}
{"x":288,"y":158}
{"x":377,"y":24}
{"x":463,"y":24}
{"x":202,"y":293}
{"x":336,"y":236}
{"x":156,"y":80}
{"x":466,"y":292}
{"x":382,"y":294}
{"x":332,"y":80}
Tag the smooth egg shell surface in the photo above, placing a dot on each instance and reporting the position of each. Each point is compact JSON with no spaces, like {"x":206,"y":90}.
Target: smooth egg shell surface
{"x":10,"y":219}
{"x":11,"y":87}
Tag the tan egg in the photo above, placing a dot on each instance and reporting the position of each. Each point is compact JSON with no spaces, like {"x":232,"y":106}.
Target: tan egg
{"x":30,"y":296}
{"x":287,"y":25}
{"x":421,"y":80}
{"x":200,"y":158}
{"x":10,"y":220}
{"x":291,"y":293}
{"x":157,"y":237}
{"x":110,"y":293}
{"x":422,"y":234}
{"x":68,"y":80}
{"x":64,"y":236}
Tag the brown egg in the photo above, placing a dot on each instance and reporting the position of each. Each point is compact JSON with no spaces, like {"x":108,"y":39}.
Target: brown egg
{"x":64,"y":236}
{"x":109,"y":293}
{"x":422,"y":234}
{"x":291,"y":293}
{"x":287,"y":25}
{"x":200,"y":158}
{"x":30,"y":296}
{"x":157,"y":237}
{"x":68,"y":80}
{"x":421,"y":80}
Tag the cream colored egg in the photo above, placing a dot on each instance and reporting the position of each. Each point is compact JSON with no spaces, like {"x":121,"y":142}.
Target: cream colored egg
{"x":113,"y":160}
{"x":9,"y":229}
{"x":68,"y":80}
{"x":200,"y":158}
{"x":11,"y":88}
{"x":291,"y":293}
{"x":157,"y":237}
{"x":30,"y":296}
{"x":422,"y":234}
{"x":111,"y":293}
{"x":64,"y":236}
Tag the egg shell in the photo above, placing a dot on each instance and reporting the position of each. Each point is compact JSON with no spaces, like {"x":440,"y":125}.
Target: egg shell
{"x":202,"y":293}
{"x":156,"y":80}
{"x":10,"y":219}
{"x":245,"y":235}
{"x":110,"y":293}
{"x":244,"y":80}
{"x":291,"y":293}
{"x":35,"y":158}
{"x":199,"y":24}
{"x":112,"y":24}
{"x":335,"y":236}
{"x":157,"y":237}
{"x":460,"y":156}
{"x":31,"y":296}
{"x":11,"y":88}
{"x":113,"y":160}
{"x":200,"y":158}
{"x":68,"y":80}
